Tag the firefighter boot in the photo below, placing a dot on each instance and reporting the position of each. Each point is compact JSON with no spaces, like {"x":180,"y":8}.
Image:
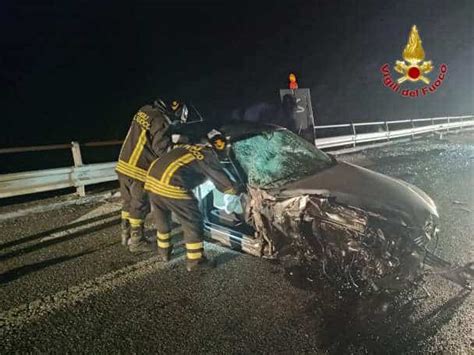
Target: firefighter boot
{"x":138,"y":243}
{"x":164,"y":245}
{"x":165,"y":253}
{"x":200,"y":264}
{"x":195,"y":258}
{"x":125,"y":227}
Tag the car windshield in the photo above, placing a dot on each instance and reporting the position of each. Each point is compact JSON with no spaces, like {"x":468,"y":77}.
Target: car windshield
{"x":276,"y":157}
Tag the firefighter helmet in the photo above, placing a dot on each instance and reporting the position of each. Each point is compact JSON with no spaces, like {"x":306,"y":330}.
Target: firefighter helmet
{"x":217,"y":140}
{"x":179,"y":110}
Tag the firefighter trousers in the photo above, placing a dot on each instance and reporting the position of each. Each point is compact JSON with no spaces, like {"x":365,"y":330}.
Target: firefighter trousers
{"x":135,"y":201}
{"x":189,"y":216}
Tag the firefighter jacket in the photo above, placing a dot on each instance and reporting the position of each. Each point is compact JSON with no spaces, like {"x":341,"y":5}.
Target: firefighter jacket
{"x":147,"y":140}
{"x":182,"y":169}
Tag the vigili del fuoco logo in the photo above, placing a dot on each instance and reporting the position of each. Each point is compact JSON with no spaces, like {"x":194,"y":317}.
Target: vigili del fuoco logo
{"x":414,"y":69}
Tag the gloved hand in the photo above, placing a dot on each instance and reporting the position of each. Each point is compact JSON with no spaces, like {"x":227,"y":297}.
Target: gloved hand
{"x":179,"y":139}
{"x":232,"y":204}
{"x":175,"y":138}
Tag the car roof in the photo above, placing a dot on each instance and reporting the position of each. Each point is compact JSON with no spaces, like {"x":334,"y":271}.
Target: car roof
{"x":233,"y":130}
{"x":236,"y":131}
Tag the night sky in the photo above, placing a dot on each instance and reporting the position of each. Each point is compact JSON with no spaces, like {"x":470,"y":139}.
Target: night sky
{"x":80,"y":69}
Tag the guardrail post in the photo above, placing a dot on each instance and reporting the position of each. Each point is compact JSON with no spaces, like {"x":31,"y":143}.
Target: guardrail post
{"x":412,"y":129}
{"x":462,"y":124}
{"x":387,"y":130}
{"x":447,"y":127}
{"x":354,"y":133}
{"x":77,"y":157}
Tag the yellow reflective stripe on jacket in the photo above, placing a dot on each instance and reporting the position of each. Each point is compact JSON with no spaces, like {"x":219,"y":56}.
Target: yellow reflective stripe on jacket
{"x":161,"y":190}
{"x":131,"y":171}
{"x":171,"y":188}
{"x":131,"y":174}
{"x":135,"y":169}
{"x":174,"y":166}
{"x":137,"y":151}
{"x":164,"y":187}
{"x":164,"y":192}
{"x":136,"y":173}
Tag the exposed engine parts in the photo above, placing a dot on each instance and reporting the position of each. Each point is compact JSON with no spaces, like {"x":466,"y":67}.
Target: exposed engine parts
{"x":365,"y":251}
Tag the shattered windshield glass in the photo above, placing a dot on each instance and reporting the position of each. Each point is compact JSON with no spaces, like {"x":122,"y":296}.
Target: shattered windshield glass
{"x":274,"y":158}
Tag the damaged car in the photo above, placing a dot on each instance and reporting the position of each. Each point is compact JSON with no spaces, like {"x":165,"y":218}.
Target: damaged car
{"x":370,"y":230}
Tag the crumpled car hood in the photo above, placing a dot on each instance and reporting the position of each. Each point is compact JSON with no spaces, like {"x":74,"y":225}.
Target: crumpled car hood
{"x":366,"y":229}
{"x":377,"y":193}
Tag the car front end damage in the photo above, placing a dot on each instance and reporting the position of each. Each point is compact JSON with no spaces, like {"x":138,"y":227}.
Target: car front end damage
{"x":365,"y":251}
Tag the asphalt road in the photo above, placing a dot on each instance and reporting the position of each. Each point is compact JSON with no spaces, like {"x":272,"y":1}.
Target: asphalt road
{"x":67,"y":285}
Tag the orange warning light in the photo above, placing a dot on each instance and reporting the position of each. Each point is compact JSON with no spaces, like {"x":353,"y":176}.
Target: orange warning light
{"x":293,"y":85}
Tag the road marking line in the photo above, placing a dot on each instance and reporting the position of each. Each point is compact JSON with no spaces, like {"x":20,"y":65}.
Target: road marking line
{"x":26,"y":313}
{"x":56,"y":205}
{"x":101,"y":210}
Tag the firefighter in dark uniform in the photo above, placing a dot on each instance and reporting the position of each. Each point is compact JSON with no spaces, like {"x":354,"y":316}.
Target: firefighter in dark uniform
{"x":147,"y":139}
{"x":170,"y":182}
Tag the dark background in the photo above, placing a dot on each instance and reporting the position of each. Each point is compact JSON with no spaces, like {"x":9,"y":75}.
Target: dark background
{"x":80,"y":69}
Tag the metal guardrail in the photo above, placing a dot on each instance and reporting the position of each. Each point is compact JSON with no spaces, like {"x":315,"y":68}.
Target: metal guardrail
{"x":385,"y":133}
{"x":78,"y":176}
{"x":54,"y":179}
{"x":81,"y":175}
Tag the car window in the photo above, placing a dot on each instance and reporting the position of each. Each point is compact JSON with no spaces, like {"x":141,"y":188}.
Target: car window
{"x":274,"y":158}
